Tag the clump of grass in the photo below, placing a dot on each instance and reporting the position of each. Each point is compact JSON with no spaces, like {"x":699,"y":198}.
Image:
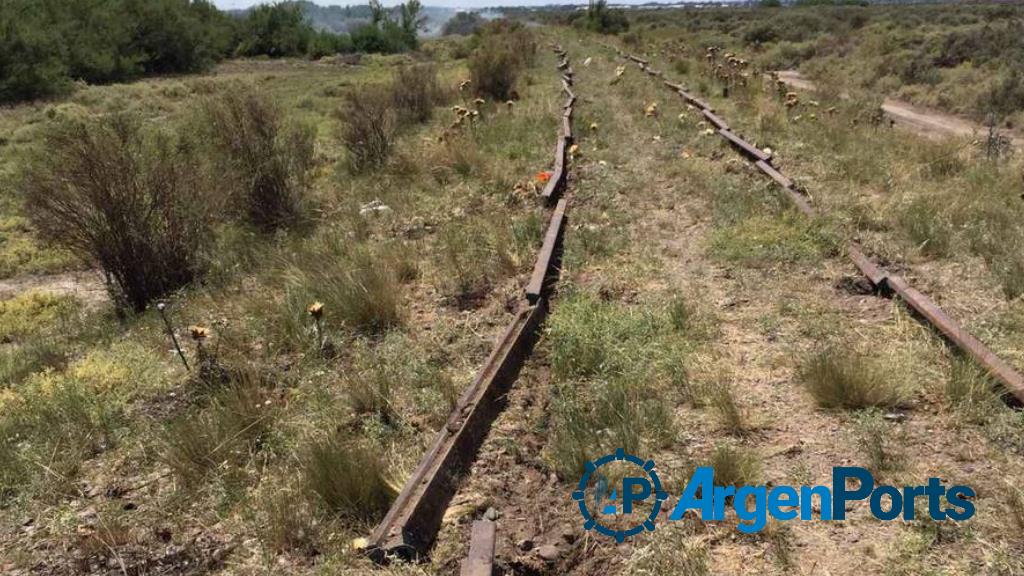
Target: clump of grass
{"x":780,"y":538}
{"x":970,"y":390}
{"x":839,"y":377}
{"x":875,"y":438}
{"x":358,"y":287}
{"x":259,"y":152}
{"x":720,"y":397}
{"x":48,"y":431}
{"x":1015,"y":503}
{"x":369,"y":127}
{"x":125,"y":199}
{"x":473,"y":256}
{"x":348,"y":479}
{"x":286,"y":521}
{"x":223,"y":436}
{"x":594,"y":337}
{"x":18,"y":361}
{"x":768,"y":239}
{"x":397,"y":364}
{"x":610,"y":414}
{"x":669,"y":556}
{"x":735,"y":465}
{"x":924,"y":222}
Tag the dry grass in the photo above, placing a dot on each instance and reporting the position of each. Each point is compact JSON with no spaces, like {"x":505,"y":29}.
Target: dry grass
{"x":839,"y":377}
{"x":348,"y":479}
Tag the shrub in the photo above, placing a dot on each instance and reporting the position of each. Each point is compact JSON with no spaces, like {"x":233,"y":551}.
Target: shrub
{"x":123,"y":199}
{"x":275,"y":30}
{"x":494,"y":70}
{"x":840,"y":378}
{"x":261,"y":154}
{"x":369,"y":128}
{"x":348,"y":479}
{"x":415,"y":92}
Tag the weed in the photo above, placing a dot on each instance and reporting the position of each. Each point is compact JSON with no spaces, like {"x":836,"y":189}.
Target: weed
{"x":838,"y":377}
{"x":474,"y":255}
{"x":49,"y":431}
{"x":874,"y":437}
{"x":927,"y":227}
{"x":223,"y":436}
{"x":263,"y":155}
{"x":357,"y":286}
{"x":610,"y":415}
{"x":124,"y":199}
{"x":761,"y":240}
{"x":667,"y":556}
{"x":720,"y":397}
{"x":970,"y":390}
{"x":286,"y":521}
{"x":735,"y":465}
{"x":347,"y":478}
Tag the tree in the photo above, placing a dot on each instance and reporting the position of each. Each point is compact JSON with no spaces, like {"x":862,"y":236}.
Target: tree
{"x":463,"y":24}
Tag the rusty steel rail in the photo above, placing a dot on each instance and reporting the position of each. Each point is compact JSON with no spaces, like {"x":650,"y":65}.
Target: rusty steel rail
{"x":480,"y":560}
{"x":410,"y":526}
{"x":549,"y":258}
{"x":1011,"y":379}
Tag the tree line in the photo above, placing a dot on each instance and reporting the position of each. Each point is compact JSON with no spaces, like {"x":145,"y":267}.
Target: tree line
{"x":47,"y":45}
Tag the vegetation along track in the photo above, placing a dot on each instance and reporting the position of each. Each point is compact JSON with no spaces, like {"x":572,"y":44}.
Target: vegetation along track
{"x":882,"y":280}
{"x":410,"y":526}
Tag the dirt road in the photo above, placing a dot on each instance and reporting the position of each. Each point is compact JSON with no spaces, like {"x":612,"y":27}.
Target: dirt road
{"x":923,"y":121}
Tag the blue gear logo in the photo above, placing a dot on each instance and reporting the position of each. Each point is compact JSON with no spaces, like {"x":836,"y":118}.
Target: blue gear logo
{"x":634,"y":489}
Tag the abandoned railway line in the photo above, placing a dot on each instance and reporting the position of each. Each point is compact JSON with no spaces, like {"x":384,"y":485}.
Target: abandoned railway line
{"x":410,"y":527}
{"x":882,"y":280}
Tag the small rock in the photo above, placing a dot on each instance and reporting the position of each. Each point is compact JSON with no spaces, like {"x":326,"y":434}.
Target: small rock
{"x":491,"y":514}
{"x":548,"y":553}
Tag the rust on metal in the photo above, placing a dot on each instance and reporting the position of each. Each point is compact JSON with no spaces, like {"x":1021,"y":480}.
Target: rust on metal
{"x":994,"y":365}
{"x":480,"y":560}
{"x":676,"y":87}
{"x":637,"y":59}
{"x":410,"y":526}
{"x":746,"y":147}
{"x":1011,"y":380}
{"x":545,"y":270}
{"x":787,"y":186}
{"x":715,"y":119}
{"x":567,"y":128}
{"x":868,"y":268}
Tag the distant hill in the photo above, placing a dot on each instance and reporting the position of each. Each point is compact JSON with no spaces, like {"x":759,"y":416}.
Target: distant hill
{"x":344,"y":19}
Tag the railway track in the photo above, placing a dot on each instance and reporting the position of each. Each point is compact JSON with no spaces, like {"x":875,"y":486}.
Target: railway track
{"x":883,"y":281}
{"x":410,"y":526}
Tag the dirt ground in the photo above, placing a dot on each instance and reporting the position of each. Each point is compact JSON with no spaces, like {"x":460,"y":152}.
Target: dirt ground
{"x":923,"y":121}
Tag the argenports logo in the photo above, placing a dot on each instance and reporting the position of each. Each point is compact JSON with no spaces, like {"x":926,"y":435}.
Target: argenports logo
{"x":621,"y":495}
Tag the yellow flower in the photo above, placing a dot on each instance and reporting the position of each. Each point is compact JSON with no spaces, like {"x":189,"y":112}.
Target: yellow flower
{"x":593,"y":126}
{"x":316,"y":309}
{"x":479,"y":101}
{"x":574,"y":149}
{"x":651,"y":110}
{"x":198,"y":332}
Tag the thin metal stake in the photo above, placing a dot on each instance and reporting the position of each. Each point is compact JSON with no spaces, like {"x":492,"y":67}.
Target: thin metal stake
{"x":170,"y":330}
